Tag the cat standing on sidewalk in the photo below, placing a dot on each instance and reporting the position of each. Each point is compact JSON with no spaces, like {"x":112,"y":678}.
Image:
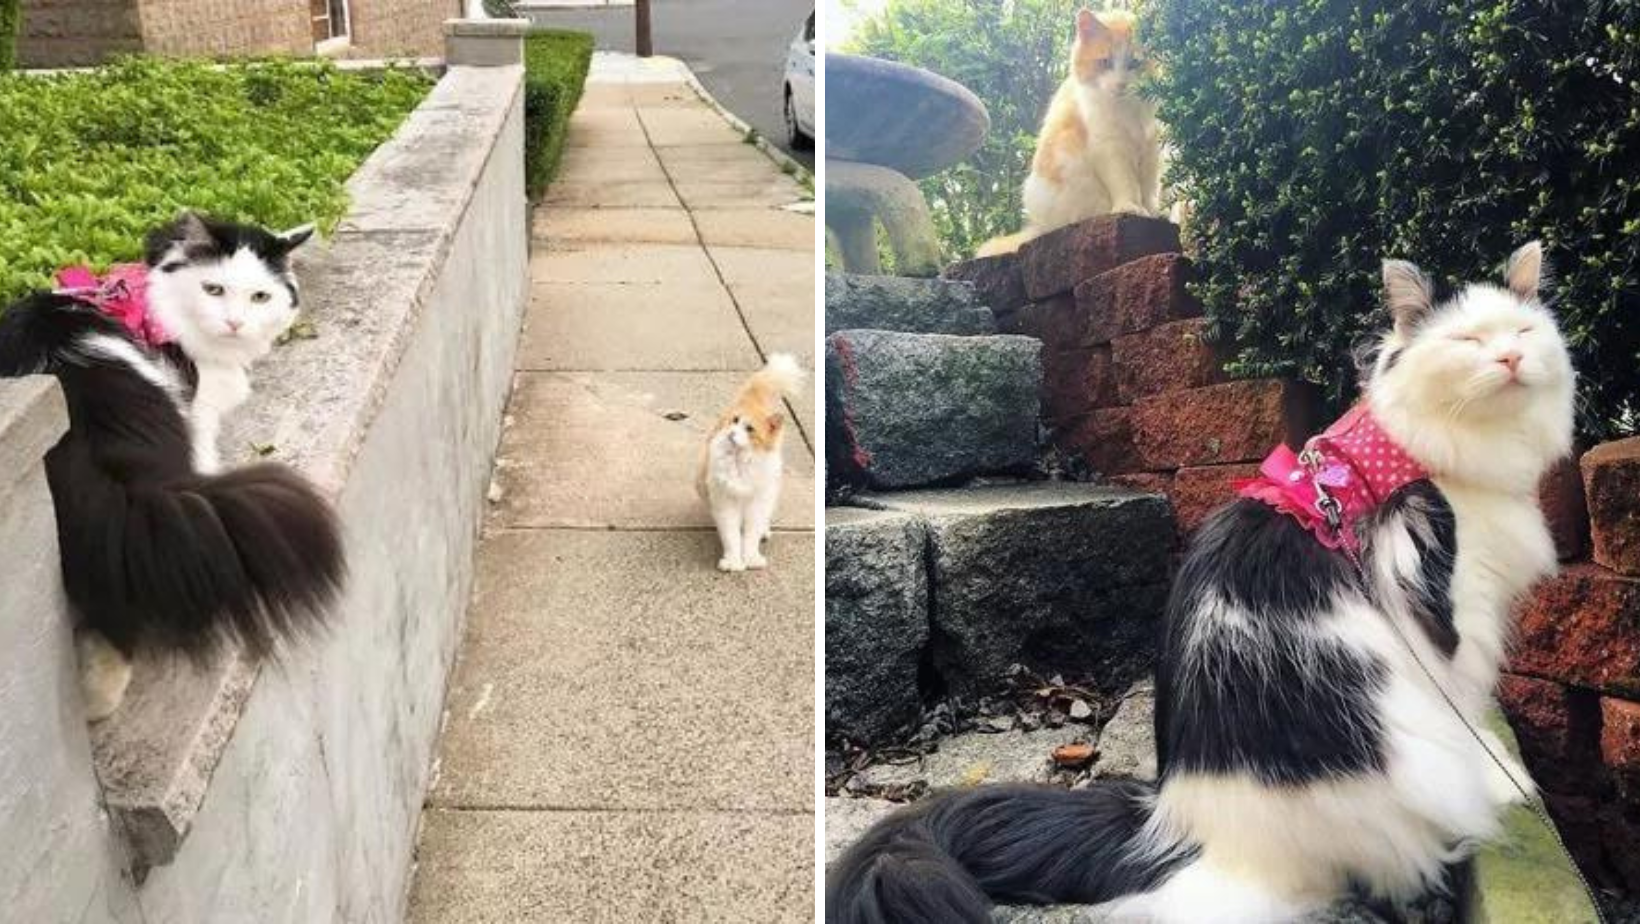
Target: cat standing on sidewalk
{"x":740,"y":468}
{"x":1100,"y":149}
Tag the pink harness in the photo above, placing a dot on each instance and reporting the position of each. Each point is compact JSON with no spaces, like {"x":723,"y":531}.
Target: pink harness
{"x":121,"y":293}
{"x":1341,"y":475}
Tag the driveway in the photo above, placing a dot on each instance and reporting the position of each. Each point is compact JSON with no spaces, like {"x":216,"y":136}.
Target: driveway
{"x":736,"y":47}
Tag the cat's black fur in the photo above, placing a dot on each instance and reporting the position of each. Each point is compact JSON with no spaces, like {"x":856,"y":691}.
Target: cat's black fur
{"x":154,"y":554}
{"x":201,"y":238}
{"x":946,"y":859}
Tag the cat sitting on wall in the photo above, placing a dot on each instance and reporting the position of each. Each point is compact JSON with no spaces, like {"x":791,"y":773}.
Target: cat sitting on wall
{"x":160,"y":549}
{"x":1100,"y":148}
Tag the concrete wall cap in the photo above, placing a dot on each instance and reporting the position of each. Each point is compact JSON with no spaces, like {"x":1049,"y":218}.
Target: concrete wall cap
{"x":498,"y":28}
{"x":33,"y":417}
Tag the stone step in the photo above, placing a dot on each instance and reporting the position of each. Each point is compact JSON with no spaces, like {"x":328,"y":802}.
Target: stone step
{"x":905,"y":304}
{"x":1060,"y":577}
{"x":910,"y":410}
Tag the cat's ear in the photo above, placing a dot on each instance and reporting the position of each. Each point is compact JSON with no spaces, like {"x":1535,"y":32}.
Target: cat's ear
{"x":1087,"y":24}
{"x":296,"y":236}
{"x":189,"y":228}
{"x":776,"y":421}
{"x":1407,"y":293}
{"x":1523,"y":274}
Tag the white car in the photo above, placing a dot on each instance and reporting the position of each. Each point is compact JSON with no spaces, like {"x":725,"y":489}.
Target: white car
{"x":799,"y":89}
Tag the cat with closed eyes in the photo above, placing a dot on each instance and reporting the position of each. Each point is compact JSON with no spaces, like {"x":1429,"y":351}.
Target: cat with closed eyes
{"x":1330,"y":645}
{"x":160,"y":548}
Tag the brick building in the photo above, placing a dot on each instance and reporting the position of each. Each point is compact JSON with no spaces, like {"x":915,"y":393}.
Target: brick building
{"x":69,"y":33}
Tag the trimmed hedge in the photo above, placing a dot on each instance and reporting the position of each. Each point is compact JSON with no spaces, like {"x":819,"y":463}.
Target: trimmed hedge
{"x":10,"y":21}
{"x":92,"y":160}
{"x":555,"y":72}
{"x":1317,"y":137}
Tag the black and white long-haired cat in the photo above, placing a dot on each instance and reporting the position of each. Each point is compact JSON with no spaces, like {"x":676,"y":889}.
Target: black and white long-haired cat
{"x":158,"y":548}
{"x":1303,"y":752}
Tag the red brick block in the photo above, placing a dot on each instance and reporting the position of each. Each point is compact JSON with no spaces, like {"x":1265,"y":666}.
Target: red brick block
{"x":1059,"y":260}
{"x":1560,"y":494}
{"x":1556,"y":725}
{"x":999,"y":280}
{"x":1171,"y":357}
{"x":1620,"y":742}
{"x":1611,"y":480}
{"x":1234,"y":422}
{"x":1147,"y":482}
{"x":1137,"y":296}
{"x":1200,"y":490}
{"x":1077,"y":381}
{"x":1054,"y":321}
{"x":1102,"y":438}
{"x":1582,"y":627}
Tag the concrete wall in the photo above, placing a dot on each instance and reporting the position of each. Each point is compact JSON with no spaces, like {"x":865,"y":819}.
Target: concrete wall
{"x":291,"y":794}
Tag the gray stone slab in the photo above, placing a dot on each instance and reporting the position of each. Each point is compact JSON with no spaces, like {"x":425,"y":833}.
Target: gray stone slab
{"x":877,"y":622}
{"x":757,"y":227}
{"x":682,"y":265}
{"x":592,"y":166}
{"x":623,"y":671}
{"x":597,"y":449}
{"x":775,"y":291}
{"x":981,"y":758}
{"x":901,"y":303}
{"x":917,"y":409}
{"x":560,"y":225}
{"x":614,"y":867}
{"x":772,"y":192}
{"x":1127,"y":743}
{"x":574,"y":326}
{"x":33,"y":417}
{"x":593,"y":194}
{"x":847,"y":819}
{"x":673,"y":125}
{"x":1061,"y":577}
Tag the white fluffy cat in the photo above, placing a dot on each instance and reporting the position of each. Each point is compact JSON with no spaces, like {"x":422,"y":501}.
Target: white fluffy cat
{"x":740,"y":467}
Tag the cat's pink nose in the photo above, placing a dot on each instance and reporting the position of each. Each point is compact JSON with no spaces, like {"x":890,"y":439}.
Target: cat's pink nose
{"x":1511,"y":360}
{"x":235,"y":326}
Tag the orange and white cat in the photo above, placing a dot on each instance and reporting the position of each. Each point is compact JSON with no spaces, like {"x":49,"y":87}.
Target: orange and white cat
{"x":1100,"y":149}
{"x":740,"y":467}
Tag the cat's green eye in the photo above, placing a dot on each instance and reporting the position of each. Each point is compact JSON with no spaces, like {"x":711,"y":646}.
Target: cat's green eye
{"x":212,"y":289}
{"x":260,"y":297}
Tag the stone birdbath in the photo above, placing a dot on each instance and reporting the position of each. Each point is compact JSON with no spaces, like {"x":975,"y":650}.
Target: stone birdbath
{"x":889,"y":124}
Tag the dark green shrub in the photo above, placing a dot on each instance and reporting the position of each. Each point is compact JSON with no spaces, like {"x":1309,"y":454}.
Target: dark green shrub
{"x":1013,"y":56}
{"x":92,"y":160}
{"x":10,"y":19}
{"x":555,"y":72}
{"x":1316,"y":138}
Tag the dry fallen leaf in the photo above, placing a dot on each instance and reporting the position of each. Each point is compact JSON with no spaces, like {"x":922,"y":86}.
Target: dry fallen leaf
{"x":1074,"y":755}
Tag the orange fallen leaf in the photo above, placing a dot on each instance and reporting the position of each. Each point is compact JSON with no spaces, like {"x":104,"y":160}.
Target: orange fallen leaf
{"x":1073,"y":755}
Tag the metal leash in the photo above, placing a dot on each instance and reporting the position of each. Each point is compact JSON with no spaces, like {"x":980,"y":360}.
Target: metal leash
{"x":1333,"y":512}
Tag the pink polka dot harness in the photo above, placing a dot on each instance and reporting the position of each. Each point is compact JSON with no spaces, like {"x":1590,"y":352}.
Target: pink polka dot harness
{"x":1340,"y":476}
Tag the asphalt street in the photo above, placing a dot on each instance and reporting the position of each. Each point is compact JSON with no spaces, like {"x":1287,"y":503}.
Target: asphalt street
{"x":736,"y":47}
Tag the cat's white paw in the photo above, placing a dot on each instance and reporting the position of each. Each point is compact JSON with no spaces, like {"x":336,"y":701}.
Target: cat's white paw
{"x":731,"y":564}
{"x":104,"y":675}
{"x":756,"y":560}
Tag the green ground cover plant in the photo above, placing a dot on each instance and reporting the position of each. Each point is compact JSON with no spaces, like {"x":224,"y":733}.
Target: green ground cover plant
{"x":92,"y":160}
{"x":556,"y":62}
{"x":1317,"y":137}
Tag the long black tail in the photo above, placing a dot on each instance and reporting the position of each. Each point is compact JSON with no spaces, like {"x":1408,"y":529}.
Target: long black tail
{"x":946,"y":859}
{"x":251,"y":556}
{"x":153,"y":553}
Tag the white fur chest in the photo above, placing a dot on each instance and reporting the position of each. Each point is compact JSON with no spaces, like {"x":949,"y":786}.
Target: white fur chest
{"x":733,"y":472}
{"x":1503,"y":548}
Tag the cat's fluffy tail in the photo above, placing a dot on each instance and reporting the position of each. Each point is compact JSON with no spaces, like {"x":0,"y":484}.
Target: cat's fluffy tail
{"x":946,"y":859}
{"x":251,"y":556}
{"x":1008,"y":243}
{"x":780,"y":377}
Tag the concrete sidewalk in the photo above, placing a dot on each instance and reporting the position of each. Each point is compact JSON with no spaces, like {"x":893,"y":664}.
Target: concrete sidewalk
{"x":629,"y":733}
